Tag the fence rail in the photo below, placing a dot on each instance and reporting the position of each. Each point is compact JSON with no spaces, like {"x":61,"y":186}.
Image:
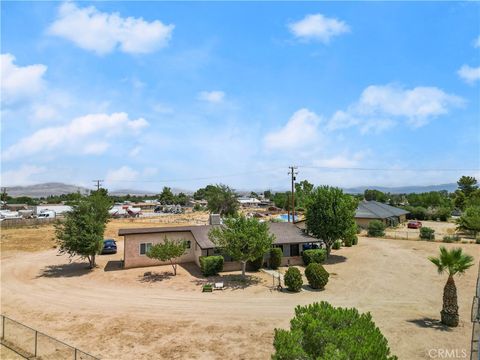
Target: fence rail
{"x":32,"y":344}
{"x":14,"y":223}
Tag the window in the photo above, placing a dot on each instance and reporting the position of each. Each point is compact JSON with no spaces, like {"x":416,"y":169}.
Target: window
{"x":294,"y":250}
{"x":189,"y":244}
{"x":144,"y":247}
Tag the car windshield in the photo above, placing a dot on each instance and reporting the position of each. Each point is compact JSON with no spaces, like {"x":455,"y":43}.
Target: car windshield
{"x":109,"y":242}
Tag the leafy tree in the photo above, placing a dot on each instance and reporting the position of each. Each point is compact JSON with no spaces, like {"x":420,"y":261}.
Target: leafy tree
{"x":267,"y":194}
{"x":303,"y":191}
{"x":81,"y":232}
{"x":470,"y":220}
{"x":459,"y":200}
{"x":181,"y":199}
{"x":242,"y":239}
{"x":282,"y":200}
{"x":454,"y":262}
{"x":467,"y":184}
{"x":376,"y":195}
{"x":167,"y":197}
{"x":201,"y":194}
{"x":321,"y":332}
{"x":330,"y":214}
{"x":222,"y":200}
{"x":474,"y":199}
{"x":169,"y":250}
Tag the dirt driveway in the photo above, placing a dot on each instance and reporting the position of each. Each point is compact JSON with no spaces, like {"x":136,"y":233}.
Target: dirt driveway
{"x":121,"y":314}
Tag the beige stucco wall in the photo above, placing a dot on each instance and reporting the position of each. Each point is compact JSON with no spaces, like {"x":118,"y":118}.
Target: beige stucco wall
{"x":294,"y":260}
{"x":132,"y":257}
{"x":363,"y":222}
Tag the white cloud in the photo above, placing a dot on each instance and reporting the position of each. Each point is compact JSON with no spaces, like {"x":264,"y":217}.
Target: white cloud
{"x":135,"y":151}
{"x":22,"y":175}
{"x":102,"y":33}
{"x":96,"y":148}
{"x":476,"y":42}
{"x":19,"y":82}
{"x":469,"y":74}
{"x":318,"y":27}
{"x":124,"y":173}
{"x":380,"y":106}
{"x":300,"y":130}
{"x":74,"y":135}
{"x":211,"y":96}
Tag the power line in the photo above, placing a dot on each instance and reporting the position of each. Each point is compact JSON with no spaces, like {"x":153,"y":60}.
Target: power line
{"x":384,"y":169}
{"x":98,"y":182}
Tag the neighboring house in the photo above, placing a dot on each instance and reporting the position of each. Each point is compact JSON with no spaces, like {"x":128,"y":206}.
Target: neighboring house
{"x":249,"y":202}
{"x":137,"y":242}
{"x":59,"y":209}
{"x":374,"y":210}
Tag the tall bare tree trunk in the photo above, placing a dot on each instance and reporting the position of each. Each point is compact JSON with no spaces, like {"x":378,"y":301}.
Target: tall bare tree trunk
{"x":449,"y":313}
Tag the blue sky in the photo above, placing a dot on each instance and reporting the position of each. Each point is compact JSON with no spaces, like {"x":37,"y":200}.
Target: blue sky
{"x":148,"y":94}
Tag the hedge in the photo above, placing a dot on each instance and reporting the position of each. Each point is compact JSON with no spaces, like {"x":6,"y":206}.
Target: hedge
{"x":314,"y":256}
{"x":275,"y":257}
{"x":211,"y":265}
{"x":316,"y":275}
{"x":293,"y":279}
{"x":376,"y":228}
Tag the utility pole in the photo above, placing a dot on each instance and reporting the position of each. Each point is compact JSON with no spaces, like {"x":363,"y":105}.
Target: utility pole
{"x":4,"y":197}
{"x":99,"y":182}
{"x":293,"y":172}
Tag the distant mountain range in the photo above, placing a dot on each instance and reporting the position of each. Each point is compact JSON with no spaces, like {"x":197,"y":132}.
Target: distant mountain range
{"x":451,"y":187}
{"x":53,"y":188}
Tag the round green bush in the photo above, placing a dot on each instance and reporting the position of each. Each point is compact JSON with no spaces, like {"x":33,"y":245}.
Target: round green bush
{"x":376,"y":228}
{"x":293,"y":279}
{"x":427,"y":233}
{"x":275,"y":257}
{"x":337,"y":245}
{"x":316,"y":275}
{"x":355,"y":240}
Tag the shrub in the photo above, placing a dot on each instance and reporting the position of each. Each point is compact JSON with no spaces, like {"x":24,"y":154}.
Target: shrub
{"x":255,"y":265}
{"x":358,"y":229}
{"x":316,"y":275}
{"x":275,"y":257}
{"x":314,"y":256}
{"x":355,"y":241}
{"x":320,"y":331}
{"x":376,"y":228}
{"x":337,"y":245}
{"x":451,"y":238}
{"x":418,"y":213}
{"x":427,"y":233}
{"x":293,"y":279}
{"x":442,"y":213}
{"x":211,"y":265}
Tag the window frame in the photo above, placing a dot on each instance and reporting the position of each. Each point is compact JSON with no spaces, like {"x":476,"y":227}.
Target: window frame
{"x":148,"y":245}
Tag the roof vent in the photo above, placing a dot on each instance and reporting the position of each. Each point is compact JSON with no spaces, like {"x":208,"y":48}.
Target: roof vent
{"x":215,"y":219}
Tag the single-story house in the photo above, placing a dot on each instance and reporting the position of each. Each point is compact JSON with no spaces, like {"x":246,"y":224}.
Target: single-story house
{"x":374,"y":210}
{"x":137,"y":241}
{"x":249,"y":201}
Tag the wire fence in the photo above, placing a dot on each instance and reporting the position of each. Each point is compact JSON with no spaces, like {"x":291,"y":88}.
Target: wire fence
{"x":475,"y":351}
{"x":32,"y":344}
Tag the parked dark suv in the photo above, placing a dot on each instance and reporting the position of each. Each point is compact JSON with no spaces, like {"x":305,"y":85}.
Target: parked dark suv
{"x":109,"y":246}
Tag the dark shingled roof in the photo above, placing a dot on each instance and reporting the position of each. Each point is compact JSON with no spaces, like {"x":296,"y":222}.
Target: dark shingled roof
{"x":377,"y":210}
{"x":285,"y":233}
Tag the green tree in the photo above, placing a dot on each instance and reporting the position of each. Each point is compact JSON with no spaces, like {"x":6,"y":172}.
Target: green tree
{"x":242,"y":239}
{"x":169,"y":250}
{"x":201,"y":194}
{"x":467,"y":184}
{"x":474,"y":199}
{"x":376,"y":195}
{"x":303,"y":191}
{"x":470,"y":220}
{"x":81,"y":232}
{"x":321,"y":332}
{"x":167,"y":197}
{"x":453,"y":262}
{"x":330,"y":214}
{"x":459,"y":200}
{"x":267,"y":194}
{"x":222,"y":200}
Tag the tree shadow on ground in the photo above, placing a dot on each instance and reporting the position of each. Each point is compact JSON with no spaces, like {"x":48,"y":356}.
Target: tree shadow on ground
{"x":65,"y":270}
{"x":152,"y":277}
{"x":114,"y":265}
{"x":230,"y":281}
{"x":430,"y":324}
{"x":192,"y":269}
{"x":307,"y":287}
{"x":335,"y":259}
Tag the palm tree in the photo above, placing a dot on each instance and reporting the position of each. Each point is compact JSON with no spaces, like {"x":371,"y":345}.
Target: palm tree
{"x":452,"y":261}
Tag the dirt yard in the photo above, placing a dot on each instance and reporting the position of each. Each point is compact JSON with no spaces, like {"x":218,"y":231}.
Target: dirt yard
{"x":124,"y":314}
